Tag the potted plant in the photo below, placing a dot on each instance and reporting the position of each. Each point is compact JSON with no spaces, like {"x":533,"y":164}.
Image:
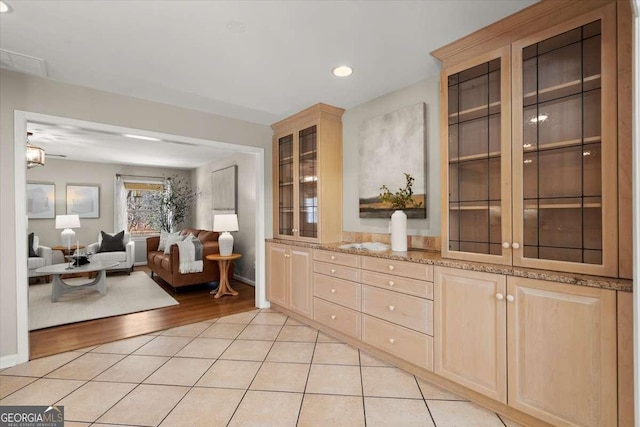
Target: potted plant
{"x":399,"y":201}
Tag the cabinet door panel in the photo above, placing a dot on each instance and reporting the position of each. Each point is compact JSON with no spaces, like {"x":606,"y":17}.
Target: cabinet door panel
{"x":564,"y":146}
{"x":301,"y":294}
{"x":470,"y":330}
{"x":562,"y":352}
{"x":278,"y":270}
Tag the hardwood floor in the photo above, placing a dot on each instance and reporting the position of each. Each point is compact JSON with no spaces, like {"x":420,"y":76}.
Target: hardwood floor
{"x":196,"y":304}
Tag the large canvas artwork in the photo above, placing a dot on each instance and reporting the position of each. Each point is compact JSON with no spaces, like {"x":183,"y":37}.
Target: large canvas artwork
{"x":389,"y":146}
{"x":41,"y":201}
{"x":223,"y":190}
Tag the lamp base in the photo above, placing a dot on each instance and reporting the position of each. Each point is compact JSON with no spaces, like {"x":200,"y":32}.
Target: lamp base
{"x":225,"y":243}
{"x":67,"y":236}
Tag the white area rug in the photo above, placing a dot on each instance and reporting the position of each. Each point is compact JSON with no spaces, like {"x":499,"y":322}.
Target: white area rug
{"x":125,"y":294}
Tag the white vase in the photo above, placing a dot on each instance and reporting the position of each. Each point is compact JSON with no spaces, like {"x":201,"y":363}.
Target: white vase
{"x":399,"y":231}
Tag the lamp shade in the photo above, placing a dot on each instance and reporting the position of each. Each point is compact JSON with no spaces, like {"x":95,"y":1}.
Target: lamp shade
{"x":67,"y":221}
{"x":225,"y":222}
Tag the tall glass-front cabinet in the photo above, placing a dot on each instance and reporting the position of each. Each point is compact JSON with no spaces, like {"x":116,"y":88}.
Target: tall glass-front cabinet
{"x":307,"y":175}
{"x":531,"y":151}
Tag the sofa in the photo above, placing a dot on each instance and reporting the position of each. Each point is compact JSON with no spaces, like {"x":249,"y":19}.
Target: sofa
{"x":167,"y":266}
{"x":124,"y":258}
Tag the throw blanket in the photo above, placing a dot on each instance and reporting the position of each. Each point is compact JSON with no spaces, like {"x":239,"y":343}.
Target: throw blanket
{"x":190,"y":256}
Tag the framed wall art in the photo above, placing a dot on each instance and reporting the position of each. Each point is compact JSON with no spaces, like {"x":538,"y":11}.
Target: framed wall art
{"x":41,"y":200}
{"x":224,"y":194}
{"x":83,"y":200}
{"x":390,"y":146}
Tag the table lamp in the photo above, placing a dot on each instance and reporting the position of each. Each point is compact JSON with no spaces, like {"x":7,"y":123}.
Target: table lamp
{"x":225,"y":223}
{"x":67,"y":222}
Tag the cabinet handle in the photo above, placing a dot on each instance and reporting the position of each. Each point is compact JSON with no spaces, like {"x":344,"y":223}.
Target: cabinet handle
{"x":332,"y":258}
{"x":515,"y":245}
{"x":391,"y":268}
{"x":499,"y":297}
{"x":333,"y":271}
{"x":510,"y":298}
{"x":391,"y":283}
{"x":391,"y":340}
{"x":506,"y":245}
{"x":333,"y":317}
{"x":392,"y":307}
{"x":333,"y":291}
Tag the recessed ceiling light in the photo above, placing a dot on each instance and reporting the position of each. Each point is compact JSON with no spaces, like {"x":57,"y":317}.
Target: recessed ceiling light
{"x":4,"y":7}
{"x":236,"y":26}
{"x":342,"y":71}
{"x":146,"y":138}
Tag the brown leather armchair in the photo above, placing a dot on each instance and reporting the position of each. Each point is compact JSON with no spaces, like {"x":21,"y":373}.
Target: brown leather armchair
{"x":168,"y":266}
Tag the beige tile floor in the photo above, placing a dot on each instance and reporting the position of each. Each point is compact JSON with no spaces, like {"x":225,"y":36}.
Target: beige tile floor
{"x":258,"y":368}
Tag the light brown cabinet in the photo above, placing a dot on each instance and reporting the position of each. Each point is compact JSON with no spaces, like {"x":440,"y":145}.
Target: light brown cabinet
{"x":307,"y":175}
{"x":529,"y":146}
{"x":555,"y":343}
{"x":289,"y":278}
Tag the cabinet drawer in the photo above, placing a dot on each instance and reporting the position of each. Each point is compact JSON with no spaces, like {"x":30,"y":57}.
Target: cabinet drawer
{"x":337,"y":290}
{"x":418,"y":288}
{"x":413,"y":270}
{"x":337,"y":258}
{"x":347,"y":273}
{"x":404,"y":343}
{"x":336,"y":317}
{"x":411,"y":312}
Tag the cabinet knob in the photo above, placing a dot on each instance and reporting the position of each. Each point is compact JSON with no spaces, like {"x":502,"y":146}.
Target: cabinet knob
{"x":333,"y":257}
{"x":333,"y":270}
{"x":391,"y":283}
{"x":294,"y":230}
{"x":515,"y":245}
{"x":391,"y":268}
{"x":499,"y":297}
{"x":392,"y":307}
{"x":333,"y":317}
{"x":506,"y":245}
{"x":391,"y":340}
{"x":333,"y":291}
{"x":510,"y":298}
{"x":287,"y":256}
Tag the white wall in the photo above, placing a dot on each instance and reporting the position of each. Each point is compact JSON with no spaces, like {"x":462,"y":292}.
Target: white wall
{"x":427,"y":91}
{"x":34,"y":94}
{"x":60,"y":172}
{"x":244,"y":239}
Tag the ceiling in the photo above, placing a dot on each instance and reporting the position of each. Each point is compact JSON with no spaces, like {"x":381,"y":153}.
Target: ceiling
{"x":89,"y":145}
{"x":253,"y":60}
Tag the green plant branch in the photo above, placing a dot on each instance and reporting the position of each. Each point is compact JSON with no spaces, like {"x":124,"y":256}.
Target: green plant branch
{"x":402,"y":198}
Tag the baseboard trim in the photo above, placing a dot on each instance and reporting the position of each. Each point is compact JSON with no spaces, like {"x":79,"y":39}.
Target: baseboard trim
{"x":244,"y":280}
{"x":139,"y":263}
{"x":8,"y":361}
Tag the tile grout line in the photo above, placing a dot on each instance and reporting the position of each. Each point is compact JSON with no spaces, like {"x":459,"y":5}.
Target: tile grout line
{"x":257,"y":371}
{"x":364,"y":409}
{"x":306,"y":383}
{"x":424,"y":399}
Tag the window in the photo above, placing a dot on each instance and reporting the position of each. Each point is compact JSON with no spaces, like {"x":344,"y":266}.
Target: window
{"x":142,"y":204}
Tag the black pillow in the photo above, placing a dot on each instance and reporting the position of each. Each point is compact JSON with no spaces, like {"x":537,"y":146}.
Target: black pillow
{"x":32,"y":253}
{"x":111,"y":243}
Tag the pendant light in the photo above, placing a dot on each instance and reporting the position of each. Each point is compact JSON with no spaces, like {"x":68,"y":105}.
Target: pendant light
{"x":35,"y":155}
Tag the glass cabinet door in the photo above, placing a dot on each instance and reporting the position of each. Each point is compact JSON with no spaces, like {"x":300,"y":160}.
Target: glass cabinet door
{"x":285,"y":185}
{"x":308,"y":183}
{"x":475,"y":161}
{"x":561,"y":143}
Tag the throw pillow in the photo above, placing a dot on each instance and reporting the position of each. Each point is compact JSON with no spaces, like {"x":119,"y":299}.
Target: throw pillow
{"x":163,"y":239}
{"x":32,"y":252}
{"x":111,"y":243}
{"x":172,"y":239}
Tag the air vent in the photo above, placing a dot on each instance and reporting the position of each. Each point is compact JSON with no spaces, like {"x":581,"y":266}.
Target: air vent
{"x":23,"y":63}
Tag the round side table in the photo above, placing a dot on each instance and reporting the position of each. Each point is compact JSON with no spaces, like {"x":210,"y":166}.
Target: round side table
{"x":223,"y":264}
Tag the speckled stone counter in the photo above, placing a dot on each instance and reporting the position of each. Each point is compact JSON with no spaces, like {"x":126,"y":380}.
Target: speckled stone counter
{"x":435,"y":258}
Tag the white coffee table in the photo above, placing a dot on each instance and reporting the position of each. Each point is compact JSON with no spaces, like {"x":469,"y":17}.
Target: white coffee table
{"x":59,"y":287}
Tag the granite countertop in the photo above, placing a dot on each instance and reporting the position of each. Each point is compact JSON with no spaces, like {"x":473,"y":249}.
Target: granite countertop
{"x":435,"y":258}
